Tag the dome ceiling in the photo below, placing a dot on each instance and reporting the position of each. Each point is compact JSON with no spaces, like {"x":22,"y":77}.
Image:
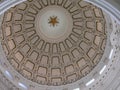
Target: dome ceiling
{"x":54,"y":42}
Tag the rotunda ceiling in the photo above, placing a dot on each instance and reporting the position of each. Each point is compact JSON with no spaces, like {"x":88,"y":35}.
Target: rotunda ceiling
{"x":54,"y":42}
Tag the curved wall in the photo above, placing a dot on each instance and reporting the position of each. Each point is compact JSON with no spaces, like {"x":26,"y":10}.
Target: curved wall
{"x":110,"y":6}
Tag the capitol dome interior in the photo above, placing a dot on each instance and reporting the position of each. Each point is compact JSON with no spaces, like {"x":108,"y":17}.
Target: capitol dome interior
{"x":59,"y":45}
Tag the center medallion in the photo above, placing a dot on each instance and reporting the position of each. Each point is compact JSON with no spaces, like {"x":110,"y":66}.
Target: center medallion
{"x":54,"y":24}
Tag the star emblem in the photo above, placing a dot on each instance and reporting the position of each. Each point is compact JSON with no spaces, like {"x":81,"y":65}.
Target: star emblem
{"x":53,"y":21}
